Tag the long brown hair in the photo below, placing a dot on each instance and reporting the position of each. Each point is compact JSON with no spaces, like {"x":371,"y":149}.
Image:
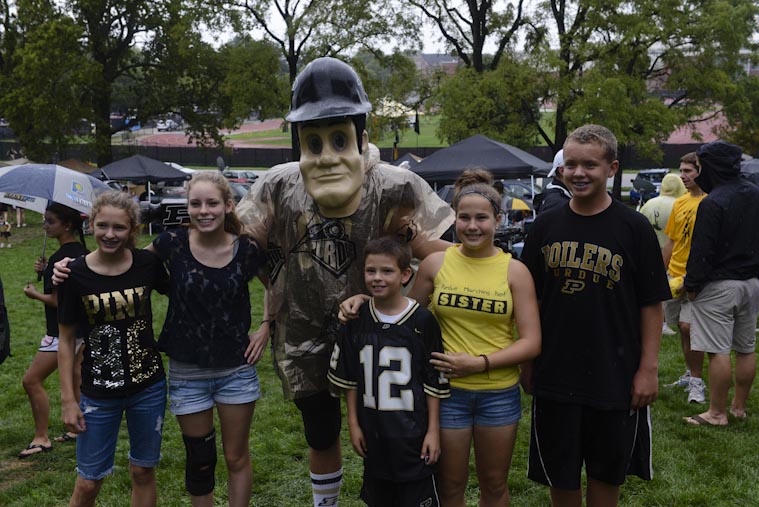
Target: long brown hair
{"x":232,"y":222}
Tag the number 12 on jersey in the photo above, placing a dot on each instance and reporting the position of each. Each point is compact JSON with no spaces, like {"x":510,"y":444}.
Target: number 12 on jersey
{"x":388,"y":357}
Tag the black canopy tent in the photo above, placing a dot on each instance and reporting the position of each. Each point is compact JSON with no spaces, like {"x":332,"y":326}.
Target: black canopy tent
{"x":503,"y":160}
{"x":141,"y":169}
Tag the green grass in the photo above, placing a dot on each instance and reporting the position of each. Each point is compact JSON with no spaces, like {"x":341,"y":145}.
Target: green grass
{"x":693,"y":466}
{"x":408,"y":138}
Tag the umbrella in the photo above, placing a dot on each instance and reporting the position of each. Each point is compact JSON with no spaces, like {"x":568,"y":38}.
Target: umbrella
{"x":34,"y":186}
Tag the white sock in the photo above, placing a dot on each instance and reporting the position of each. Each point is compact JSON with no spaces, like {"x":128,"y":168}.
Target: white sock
{"x":326,"y":488}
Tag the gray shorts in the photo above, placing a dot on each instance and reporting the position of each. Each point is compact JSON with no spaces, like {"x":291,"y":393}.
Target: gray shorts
{"x":724,"y":317}
{"x":677,"y":310}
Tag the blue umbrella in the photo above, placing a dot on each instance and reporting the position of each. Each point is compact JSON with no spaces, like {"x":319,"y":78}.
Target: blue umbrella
{"x":34,"y":186}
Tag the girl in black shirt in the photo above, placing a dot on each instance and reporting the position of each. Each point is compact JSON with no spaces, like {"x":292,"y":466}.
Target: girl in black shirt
{"x":61,"y":223}
{"x":108,"y":295}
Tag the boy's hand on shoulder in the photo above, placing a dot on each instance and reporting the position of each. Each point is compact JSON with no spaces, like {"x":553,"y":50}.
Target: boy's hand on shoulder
{"x":645,"y":387}
{"x":431,"y":448}
{"x":357,"y":440}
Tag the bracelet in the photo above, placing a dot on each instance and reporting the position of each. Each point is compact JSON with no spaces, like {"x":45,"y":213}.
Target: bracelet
{"x":267,"y":321}
{"x":487,"y":364}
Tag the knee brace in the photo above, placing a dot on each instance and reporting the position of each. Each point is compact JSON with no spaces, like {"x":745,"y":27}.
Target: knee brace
{"x":200,"y":464}
{"x":321,"y":420}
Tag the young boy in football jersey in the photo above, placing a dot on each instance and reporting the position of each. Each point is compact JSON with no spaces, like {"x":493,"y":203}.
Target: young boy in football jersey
{"x":600,"y":282}
{"x":382,"y":360}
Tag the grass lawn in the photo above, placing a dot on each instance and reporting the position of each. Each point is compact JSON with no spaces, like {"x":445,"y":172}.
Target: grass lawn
{"x":408,"y":138}
{"x":693,"y":466}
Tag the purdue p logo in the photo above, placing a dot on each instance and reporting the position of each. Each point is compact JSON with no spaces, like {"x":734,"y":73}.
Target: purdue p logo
{"x":572,"y":286}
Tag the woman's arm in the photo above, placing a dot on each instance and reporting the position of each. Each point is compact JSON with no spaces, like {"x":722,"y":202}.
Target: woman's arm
{"x":259,"y":338}
{"x":71,"y":414}
{"x":31,"y":292}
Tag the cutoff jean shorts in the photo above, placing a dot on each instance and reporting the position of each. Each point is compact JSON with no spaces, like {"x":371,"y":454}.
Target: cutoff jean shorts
{"x":96,"y":446}
{"x":467,"y":408}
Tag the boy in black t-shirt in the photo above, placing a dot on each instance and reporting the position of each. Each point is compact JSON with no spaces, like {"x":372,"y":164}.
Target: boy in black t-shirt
{"x":392,"y":391}
{"x":600,"y":281}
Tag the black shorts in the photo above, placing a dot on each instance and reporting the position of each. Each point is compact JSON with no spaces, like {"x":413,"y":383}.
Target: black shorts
{"x":611,"y":443}
{"x":321,"y":419}
{"x":383,"y":492}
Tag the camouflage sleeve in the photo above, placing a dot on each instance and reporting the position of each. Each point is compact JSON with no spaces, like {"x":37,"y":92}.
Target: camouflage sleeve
{"x":420,"y":214}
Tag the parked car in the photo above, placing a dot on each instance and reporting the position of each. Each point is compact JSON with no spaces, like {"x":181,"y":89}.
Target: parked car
{"x":522,"y":190}
{"x":166,"y":125}
{"x":239,"y":176}
{"x":647,"y":184}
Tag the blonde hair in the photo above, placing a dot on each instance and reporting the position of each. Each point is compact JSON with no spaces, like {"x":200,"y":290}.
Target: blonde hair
{"x":596,"y":134}
{"x":232,"y":222}
{"x":122,"y":201}
{"x":477,"y":181}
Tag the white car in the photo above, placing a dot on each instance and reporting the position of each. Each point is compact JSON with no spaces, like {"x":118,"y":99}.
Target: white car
{"x":166,"y":125}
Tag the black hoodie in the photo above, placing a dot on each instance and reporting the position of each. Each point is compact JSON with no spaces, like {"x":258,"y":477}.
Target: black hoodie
{"x":726,"y":234}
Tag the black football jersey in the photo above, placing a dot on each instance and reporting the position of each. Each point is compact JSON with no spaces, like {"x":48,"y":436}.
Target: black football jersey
{"x":388,"y":364}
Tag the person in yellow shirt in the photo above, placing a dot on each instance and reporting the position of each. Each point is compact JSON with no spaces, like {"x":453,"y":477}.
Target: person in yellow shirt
{"x":679,"y":231}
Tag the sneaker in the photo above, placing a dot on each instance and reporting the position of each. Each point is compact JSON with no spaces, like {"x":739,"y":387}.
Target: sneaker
{"x":683,"y":381}
{"x":667,"y":331}
{"x":697,"y":391}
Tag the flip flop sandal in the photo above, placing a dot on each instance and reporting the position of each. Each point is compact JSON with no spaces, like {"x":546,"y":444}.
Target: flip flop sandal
{"x":65,"y":437}
{"x":697,"y":420}
{"x":30,"y":447}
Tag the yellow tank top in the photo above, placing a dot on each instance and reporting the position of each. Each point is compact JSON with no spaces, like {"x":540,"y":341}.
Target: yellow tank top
{"x":473,"y":305}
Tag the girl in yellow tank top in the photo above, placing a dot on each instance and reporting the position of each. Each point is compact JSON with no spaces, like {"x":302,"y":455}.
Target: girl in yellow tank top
{"x":477,"y":293}
{"x":473,"y":304}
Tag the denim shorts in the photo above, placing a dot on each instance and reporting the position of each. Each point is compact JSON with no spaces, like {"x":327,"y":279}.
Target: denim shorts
{"x":193,"y":396}
{"x":467,"y":408}
{"x":96,"y":447}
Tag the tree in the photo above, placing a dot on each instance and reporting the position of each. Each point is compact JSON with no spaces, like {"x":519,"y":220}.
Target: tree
{"x":395,"y":88}
{"x":43,"y":98}
{"x":42,"y":66}
{"x":466,"y":26}
{"x":611,"y":55}
{"x":145,"y":57}
{"x":743,"y":116}
{"x":502,"y":104}
{"x":315,"y":28}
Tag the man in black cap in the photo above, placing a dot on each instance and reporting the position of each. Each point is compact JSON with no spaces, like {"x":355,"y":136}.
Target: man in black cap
{"x":315,"y":216}
{"x":721,"y":279}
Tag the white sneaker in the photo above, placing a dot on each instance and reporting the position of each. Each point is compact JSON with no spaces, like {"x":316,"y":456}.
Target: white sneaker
{"x":696,"y":391}
{"x":667,"y":331}
{"x":683,"y":381}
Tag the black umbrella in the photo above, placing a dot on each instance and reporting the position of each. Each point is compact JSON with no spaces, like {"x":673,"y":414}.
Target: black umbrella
{"x":503,"y":160}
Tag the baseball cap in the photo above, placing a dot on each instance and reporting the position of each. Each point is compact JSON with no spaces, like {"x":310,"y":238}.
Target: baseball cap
{"x":558,"y":161}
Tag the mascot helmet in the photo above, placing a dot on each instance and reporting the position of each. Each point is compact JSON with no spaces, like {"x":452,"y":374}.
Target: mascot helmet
{"x":327,"y":88}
